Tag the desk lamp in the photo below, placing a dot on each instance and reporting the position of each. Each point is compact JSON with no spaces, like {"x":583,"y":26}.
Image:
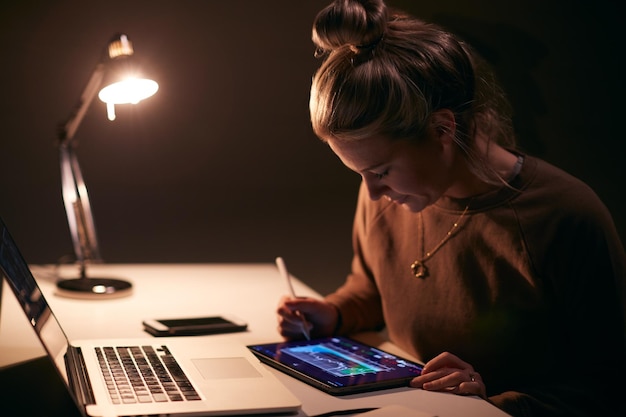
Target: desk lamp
{"x":122,"y":84}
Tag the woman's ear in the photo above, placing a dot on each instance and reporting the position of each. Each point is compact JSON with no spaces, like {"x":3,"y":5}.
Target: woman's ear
{"x":443,"y":124}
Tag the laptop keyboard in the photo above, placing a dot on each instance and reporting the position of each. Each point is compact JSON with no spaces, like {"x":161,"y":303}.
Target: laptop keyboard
{"x":142,"y":374}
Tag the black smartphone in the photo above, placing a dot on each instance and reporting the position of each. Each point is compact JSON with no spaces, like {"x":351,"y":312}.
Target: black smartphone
{"x":194,"y":326}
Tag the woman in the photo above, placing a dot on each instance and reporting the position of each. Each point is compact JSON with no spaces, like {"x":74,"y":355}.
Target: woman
{"x":504,"y":274}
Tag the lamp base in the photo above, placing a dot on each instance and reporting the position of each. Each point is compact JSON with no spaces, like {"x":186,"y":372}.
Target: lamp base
{"x":94,"y":288}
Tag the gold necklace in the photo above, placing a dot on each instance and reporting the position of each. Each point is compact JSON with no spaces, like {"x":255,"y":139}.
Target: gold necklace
{"x":418,"y":267}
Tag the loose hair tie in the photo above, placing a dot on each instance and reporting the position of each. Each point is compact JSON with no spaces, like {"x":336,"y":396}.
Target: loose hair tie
{"x":363,"y":53}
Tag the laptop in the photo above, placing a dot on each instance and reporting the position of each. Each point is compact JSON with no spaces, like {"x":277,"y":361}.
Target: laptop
{"x":177,"y":376}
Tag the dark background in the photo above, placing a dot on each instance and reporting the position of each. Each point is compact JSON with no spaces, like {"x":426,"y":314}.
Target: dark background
{"x":221,"y":164}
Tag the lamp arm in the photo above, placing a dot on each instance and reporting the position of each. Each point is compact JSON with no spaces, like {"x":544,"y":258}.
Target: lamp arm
{"x":75,"y":197}
{"x":78,"y":209}
{"x":68,"y":129}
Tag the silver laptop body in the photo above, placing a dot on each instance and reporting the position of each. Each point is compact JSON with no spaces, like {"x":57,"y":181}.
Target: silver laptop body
{"x":177,"y":376}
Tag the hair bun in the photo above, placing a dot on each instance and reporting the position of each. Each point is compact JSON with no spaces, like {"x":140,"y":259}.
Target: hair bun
{"x":358,"y":24}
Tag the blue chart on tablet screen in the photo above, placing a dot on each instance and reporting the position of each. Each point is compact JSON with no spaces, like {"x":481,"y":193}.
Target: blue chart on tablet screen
{"x":333,"y":360}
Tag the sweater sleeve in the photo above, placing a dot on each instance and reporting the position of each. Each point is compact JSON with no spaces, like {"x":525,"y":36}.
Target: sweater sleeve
{"x":358,"y":299}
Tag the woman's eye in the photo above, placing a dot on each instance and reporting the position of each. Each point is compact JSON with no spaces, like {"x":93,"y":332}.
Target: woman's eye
{"x":381,"y":175}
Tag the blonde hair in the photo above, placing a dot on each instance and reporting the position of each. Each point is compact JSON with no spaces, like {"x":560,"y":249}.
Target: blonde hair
{"x":384,"y":73}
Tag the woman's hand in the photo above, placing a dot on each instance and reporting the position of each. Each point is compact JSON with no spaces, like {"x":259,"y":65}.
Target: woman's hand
{"x":319,"y":317}
{"x":446,"y":372}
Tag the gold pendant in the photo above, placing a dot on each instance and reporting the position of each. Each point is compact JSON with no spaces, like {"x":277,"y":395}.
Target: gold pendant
{"x":419,"y":269}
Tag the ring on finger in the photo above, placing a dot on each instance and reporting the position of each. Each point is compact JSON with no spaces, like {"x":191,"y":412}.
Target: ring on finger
{"x":472,"y":376}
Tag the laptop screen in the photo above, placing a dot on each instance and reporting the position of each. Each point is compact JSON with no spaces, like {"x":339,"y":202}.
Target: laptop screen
{"x":15,"y":270}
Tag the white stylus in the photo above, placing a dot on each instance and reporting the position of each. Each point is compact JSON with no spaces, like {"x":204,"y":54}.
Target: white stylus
{"x":282,"y":268}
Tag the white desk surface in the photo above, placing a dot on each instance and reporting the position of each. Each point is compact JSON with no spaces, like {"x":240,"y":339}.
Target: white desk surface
{"x":249,"y":291}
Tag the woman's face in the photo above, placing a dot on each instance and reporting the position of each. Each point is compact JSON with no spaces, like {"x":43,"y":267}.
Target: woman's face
{"x":409,"y":174}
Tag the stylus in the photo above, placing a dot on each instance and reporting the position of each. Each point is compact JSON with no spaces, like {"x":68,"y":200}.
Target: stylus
{"x":282,"y":268}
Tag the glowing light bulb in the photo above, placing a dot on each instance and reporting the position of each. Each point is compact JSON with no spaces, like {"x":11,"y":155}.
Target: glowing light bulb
{"x":111,"y":111}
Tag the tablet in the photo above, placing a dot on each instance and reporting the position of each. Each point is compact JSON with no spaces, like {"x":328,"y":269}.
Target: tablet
{"x":338,"y":365}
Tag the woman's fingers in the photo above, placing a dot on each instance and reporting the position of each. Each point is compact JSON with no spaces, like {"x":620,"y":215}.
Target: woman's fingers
{"x":447,"y":372}
{"x":300,"y":316}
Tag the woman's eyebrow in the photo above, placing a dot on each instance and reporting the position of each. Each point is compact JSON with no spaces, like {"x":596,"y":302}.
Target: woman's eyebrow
{"x":373,"y":167}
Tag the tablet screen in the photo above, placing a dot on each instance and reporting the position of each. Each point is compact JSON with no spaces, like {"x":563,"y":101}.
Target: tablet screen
{"x":338,"y":365}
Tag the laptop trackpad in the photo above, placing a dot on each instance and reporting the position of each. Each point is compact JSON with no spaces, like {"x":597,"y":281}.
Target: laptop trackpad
{"x":223,"y":368}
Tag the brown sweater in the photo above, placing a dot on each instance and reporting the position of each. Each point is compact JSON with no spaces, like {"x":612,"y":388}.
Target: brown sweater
{"x":530,"y":290}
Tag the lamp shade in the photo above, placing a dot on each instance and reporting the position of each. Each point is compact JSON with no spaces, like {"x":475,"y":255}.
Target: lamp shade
{"x":128,"y":91}
{"x":123,"y":82}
